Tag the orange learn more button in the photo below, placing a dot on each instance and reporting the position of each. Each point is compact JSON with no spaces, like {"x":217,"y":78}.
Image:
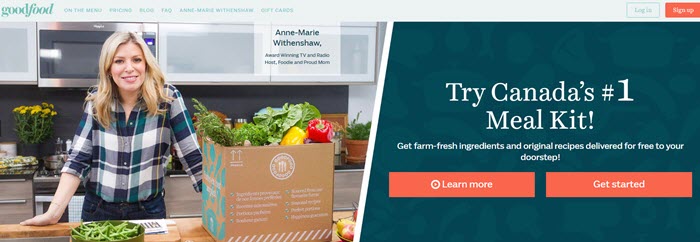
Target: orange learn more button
{"x":682,"y":10}
{"x":461,"y":184}
{"x":619,"y":184}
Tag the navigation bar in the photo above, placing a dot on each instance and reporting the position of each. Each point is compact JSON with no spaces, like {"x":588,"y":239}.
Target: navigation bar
{"x":321,"y":10}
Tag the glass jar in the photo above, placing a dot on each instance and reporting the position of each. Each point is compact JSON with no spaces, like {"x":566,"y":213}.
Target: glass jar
{"x":240,"y":122}
{"x":227,"y":122}
{"x":338,"y":142}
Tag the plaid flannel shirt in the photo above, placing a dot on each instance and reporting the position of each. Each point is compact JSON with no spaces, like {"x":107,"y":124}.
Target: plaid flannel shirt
{"x":127,"y":162}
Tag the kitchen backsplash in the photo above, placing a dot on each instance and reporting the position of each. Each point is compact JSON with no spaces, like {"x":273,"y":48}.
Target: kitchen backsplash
{"x":234,"y":101}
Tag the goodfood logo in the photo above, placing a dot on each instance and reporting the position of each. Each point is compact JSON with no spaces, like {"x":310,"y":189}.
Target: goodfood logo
{"x":282,"y":166}
{"x":26,"y":10}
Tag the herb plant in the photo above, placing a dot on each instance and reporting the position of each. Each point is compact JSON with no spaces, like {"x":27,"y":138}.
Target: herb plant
{"x":255,"y":133}
{"x":209,"y":125}
{"x":358,"y":131}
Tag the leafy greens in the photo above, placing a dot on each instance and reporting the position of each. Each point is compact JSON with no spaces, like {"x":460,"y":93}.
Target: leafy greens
{"x":278,"y":122}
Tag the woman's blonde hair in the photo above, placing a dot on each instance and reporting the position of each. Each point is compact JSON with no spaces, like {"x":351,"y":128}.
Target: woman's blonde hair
{"x":107,"y":91}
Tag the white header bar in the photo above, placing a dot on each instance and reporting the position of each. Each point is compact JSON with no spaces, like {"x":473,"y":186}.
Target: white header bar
{"x":193,"y":11}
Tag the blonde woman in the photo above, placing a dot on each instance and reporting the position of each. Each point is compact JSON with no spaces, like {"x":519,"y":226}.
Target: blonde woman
{"x":123,"y":140}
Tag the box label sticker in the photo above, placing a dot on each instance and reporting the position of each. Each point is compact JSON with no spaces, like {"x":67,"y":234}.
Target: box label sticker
{"x":282,"y":166}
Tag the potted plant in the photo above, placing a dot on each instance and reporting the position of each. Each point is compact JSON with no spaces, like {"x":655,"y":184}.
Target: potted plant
{"x":358,"y":137}
{"x":34,"y":125}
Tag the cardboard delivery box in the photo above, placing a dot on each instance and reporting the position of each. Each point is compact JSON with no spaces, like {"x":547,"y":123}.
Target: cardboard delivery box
{"x":268,"y":193}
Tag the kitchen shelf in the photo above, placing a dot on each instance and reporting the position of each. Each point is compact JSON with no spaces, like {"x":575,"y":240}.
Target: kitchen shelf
{"x":342,"y":164}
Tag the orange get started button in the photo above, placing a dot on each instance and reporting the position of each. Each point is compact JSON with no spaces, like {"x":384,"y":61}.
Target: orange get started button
{"x":461,"y":184}
{"x":619,"y":184}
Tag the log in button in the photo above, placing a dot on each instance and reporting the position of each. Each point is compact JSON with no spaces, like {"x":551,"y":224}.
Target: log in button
{"x":461,"y":184}
{"x":643,"y":10}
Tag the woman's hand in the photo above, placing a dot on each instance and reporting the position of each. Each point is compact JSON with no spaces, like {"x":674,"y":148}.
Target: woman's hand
{"x":66,"y":188}
{"x":40,"y":220}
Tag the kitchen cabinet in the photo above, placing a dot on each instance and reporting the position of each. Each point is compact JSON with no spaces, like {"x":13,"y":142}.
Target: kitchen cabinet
{"x":346,"y":189}
{"x":19,"y":53}
{"x":16,"y":200}
{"x":181,"y":201}
{"x":235,"y":54}
{"x":355,"y":63}
{"x":199,"y":54}
{"x":358,"y":54}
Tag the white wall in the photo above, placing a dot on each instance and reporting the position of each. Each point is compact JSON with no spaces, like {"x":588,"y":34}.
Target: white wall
{"x":361,"y":98}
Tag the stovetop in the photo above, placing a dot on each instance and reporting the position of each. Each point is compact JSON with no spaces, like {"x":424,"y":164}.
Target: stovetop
{"x":46,"y":181}
{"x":44,"y":175}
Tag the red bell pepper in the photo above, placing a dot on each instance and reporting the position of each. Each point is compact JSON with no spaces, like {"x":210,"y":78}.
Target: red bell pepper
{"x":320,"y":130}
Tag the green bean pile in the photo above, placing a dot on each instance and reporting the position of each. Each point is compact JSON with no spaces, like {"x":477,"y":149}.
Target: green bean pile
{"x":104,"y":231}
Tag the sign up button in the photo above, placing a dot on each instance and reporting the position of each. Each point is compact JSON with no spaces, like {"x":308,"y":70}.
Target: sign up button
{"x":619,"y":184}
{"x":643,"y":10}
{"x":461,"y":184}
{"x":682,"y":10}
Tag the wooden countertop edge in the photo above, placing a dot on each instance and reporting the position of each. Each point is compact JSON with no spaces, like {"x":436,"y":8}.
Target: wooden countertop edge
{"x":19,"y":231}
{"x":189,"y":229}
{"x":13,"y":231}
